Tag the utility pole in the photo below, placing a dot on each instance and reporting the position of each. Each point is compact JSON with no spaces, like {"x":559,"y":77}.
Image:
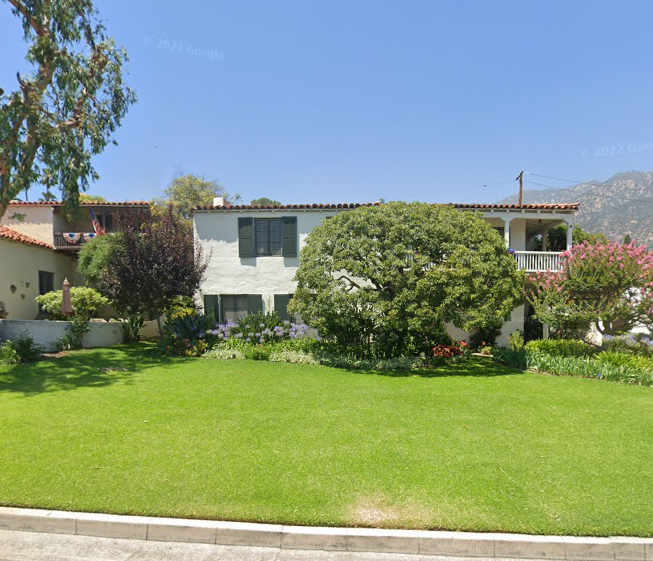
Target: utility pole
{"x":521,"y":187}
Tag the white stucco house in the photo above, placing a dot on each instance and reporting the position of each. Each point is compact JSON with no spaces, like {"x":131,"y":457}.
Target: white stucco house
{"x":38,"y":249}
{"x":254,"y":250}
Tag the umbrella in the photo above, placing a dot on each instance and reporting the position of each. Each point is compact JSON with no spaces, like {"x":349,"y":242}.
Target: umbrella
{"x":66,"y":302}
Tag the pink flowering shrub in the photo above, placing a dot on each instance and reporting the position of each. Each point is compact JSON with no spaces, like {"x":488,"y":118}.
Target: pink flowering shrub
{"x":602,"y":282}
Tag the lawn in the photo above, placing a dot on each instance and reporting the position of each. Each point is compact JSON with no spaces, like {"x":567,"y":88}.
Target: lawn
{"x":471,"y":447}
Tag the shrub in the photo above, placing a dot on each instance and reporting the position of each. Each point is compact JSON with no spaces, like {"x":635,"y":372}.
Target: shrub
{"x":132,"y":327}
{"x":514,"y":358}
{"x":73,"y":339}
{"x":22,"y":349}
{"x":562,"y":347}
{"x":625,"y":360}
{"x":292,"y":356}
{"x":187,"y":334}
{"x":397,"y":363}
{"x":454,"y":352}
{"x":223,"y":353}
{"x":516,"y":340}
{"x":485,"y":337}
{"x":393,"y":276}
{"x":600,"y":282}
{"x":613,"y":366}
{"x":629,"y":343}
{"x":181,"y":305}
{"x":8,"y":354}
{"x":85,"y":301}
{"x":258,"y":352}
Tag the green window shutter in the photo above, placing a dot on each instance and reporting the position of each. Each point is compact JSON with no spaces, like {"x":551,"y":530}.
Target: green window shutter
{"x":246,"y":237}
{"x":289,"y":236}
{"x":212,"y":303}
{"x":254,"y":304}
{"x":281,"y":302}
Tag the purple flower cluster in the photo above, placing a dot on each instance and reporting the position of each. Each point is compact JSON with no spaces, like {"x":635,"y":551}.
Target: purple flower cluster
{"x":298,"y":331}
{"x":225,"y":331}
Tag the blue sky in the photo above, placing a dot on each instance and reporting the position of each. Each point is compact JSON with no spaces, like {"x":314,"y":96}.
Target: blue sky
{"x":356,"y":100}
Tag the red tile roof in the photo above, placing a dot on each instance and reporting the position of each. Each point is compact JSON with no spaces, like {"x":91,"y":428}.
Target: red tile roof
{"x":327,"y":206}
{"x":57,"y":203}
{"x":314,"y":206}
{"x":9,"y":234}
{"x":564,"y":206}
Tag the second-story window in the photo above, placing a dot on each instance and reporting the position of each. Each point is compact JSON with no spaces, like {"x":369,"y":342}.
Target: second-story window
{"x":268,"y":235}
{"x":107,"y":221}
{"x":260,"y":237}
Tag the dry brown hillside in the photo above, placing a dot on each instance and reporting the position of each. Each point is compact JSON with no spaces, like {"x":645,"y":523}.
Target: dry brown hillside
{"x":621,"y":205}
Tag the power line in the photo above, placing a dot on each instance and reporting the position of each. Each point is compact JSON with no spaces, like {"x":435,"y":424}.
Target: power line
{"x":556,"y":178}
{"x":542,"y":185}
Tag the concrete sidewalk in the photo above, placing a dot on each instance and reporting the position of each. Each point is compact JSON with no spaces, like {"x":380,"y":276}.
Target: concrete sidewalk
{"x":145,"y":530}
{"x":31,"y":546}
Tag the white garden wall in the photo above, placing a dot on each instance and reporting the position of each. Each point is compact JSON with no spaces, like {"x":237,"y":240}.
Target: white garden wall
{"x":46,"y":334}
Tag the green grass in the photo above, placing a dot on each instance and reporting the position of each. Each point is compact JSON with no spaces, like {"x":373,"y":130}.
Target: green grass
{"x":474,"y":447}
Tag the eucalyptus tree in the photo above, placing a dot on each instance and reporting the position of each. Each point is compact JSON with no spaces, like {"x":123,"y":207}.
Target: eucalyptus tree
{"x":67,"y":108}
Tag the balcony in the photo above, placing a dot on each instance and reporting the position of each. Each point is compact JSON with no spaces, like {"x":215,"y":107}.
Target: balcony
{"x":538,"y":261}
{"x":71,"y":240}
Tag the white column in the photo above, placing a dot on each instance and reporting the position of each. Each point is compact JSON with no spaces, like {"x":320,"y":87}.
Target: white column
{"x":544,"y":240}
{"x":506,"y":230}
{"x":570,"y":227}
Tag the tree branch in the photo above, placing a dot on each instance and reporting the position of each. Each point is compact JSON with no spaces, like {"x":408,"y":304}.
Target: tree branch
{"x":351,"y":282}
{"x":33,"y":22}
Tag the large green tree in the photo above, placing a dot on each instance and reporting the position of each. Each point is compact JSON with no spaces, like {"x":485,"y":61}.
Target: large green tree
{"x":187,"y":190}
{"x":392,"y":276}
{"x":265,"y":201}
{"x":68,"y":107}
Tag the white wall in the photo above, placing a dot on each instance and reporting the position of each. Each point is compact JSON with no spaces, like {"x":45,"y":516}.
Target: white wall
{"x":20,"y":264}
{"x":46,"y":334}
{"x":229,"y":274}
{"x":37,"y":223}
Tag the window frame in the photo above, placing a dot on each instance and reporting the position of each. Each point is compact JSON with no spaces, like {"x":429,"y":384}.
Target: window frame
{"x":268,"y":224}
{"x":45,"y":278}
{"x":217,"y":303}
{"x":247,"y":247}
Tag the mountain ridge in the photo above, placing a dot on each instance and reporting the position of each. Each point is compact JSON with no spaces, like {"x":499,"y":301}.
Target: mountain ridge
{"x":623,"y":204}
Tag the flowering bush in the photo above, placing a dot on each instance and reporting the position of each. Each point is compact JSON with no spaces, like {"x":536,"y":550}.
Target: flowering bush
{"x":260,"y":329}
{"x":455,"y":352}
{"x":629,"y":343}
{"x":599,"y":282}
{"x":192,"y":334}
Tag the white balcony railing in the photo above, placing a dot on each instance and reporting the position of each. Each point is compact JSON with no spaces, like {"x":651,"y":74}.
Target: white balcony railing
{"x":536,"y":261}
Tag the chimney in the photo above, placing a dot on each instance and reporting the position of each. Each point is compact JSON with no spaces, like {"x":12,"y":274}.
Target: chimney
{"x":219,"y":201}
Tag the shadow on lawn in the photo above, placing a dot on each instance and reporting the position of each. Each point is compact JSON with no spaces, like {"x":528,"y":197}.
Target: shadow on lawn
{"x":475,"y":366}
{"x":83,"y":369}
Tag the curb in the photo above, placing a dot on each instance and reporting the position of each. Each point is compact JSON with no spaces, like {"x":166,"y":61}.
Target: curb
{"x":458,"y":544}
